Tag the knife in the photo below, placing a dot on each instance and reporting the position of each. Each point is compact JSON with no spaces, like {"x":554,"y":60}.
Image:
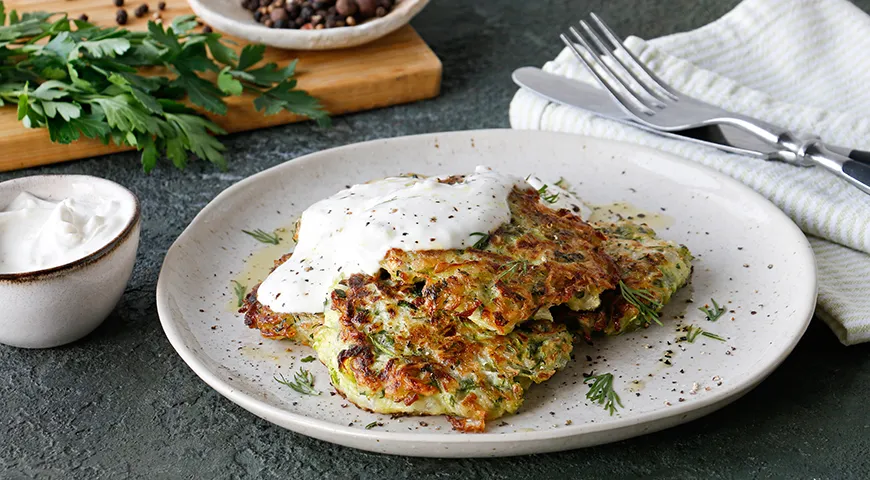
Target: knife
{"x":581,"y":95}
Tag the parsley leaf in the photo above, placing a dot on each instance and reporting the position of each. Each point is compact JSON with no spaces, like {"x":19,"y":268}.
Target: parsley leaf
{"x":78,"y":79}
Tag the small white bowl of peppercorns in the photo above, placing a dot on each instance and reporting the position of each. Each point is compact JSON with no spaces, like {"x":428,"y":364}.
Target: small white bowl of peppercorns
{"x":307,"y":24}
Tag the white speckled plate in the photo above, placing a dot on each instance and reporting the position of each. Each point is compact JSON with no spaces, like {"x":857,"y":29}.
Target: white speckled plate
{"x":749,"y":256}
{"x":229,"y":16}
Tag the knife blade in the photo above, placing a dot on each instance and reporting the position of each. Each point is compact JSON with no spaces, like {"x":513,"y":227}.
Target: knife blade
{"x":565,"y":91}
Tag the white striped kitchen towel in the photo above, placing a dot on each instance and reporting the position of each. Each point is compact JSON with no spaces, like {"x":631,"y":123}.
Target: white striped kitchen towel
{"x":801,"y":64}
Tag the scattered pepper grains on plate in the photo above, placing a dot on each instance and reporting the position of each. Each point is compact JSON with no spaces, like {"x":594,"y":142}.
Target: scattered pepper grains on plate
{"x":316,"y":14}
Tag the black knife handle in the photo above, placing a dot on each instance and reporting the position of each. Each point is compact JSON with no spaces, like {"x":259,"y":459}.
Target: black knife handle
{"x":858,"y":171}
{"x":861,"y":156}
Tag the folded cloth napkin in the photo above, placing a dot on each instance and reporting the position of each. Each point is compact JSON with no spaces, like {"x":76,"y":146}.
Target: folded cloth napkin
{"x":800,"y":64}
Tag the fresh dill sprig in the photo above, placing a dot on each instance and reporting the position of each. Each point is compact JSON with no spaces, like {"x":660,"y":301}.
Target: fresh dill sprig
{"x":482,"y":242}
{"x":714,"y":313}
{"x":549,"y":198}
{"x":693,"y":331}
{"x":602,"y":393}
{"x":713,"y":336}
{"x":647,"y":306}
{"x":372,"y":425}
{"x":239,"y":290}
{"x":303,"y":382}
{"x":514,"y":267}
{"x":264,"y":237}
{"x":308,"y":359}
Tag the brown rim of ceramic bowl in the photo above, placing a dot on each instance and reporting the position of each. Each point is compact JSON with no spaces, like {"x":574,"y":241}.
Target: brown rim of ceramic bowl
{"x":87,"y":259}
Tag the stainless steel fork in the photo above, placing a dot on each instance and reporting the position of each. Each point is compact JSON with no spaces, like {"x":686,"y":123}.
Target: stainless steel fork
{"x":652,"y":102}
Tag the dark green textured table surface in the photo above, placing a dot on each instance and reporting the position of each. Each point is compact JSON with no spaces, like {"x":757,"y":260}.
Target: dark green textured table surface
{"x":121,"y":403}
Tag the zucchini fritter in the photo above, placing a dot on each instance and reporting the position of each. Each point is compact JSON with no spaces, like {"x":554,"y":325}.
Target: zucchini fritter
{"x":541,"y":259}
{"x":387,"y":354}
{"x":656,"y":268}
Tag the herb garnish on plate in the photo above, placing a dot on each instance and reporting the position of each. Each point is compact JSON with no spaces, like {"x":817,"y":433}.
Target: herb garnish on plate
{"x":303,"y":382}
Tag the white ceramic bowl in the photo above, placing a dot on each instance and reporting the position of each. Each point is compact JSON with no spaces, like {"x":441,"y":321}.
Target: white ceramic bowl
{"x":228,"y":16}
{"x":55,"y":306}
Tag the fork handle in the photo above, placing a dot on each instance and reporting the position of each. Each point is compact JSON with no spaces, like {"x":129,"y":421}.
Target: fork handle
{"x":854,"y":166}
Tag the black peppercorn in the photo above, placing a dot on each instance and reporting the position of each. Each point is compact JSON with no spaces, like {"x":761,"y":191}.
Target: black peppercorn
{"x":367,"y":8}
{"x":119,"y":3}
{"x":258,"y":15}
{"x":306,"y":13}
{"x":121,"y":17}
{"x":141,"y":10}
{"x":292,"y":10}
{"x":380,"y":12}
{"x":346,"y":7}
{"x":281,"y":23}
{"x":207,"y":29}
{"x":330,"y":22}
{"x":279,"y":14}
{"x":299,"y":21}
{"x":161,"y":6}
{"x":83,"y":17}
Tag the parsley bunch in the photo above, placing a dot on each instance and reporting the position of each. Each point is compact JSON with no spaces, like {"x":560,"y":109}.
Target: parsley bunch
{"x":77,"y":79}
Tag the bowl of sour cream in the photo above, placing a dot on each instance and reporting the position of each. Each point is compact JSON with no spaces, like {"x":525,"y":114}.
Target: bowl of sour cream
{"x":67,"y":248}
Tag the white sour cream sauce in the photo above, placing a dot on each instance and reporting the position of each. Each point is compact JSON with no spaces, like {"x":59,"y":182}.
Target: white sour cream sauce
{"x":36,"y":234}
{"x":351,"y":231}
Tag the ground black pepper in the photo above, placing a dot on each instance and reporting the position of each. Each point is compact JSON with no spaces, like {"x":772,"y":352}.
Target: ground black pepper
{"x":315,"y":14}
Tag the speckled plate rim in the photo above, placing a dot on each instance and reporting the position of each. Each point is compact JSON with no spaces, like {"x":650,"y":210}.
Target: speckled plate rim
{"x":516,"y":443}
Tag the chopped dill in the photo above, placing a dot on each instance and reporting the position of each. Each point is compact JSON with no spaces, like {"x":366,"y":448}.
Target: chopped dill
{"x":239,"y":290}
{"x":308,"y":359}
{"x":264,"y":237}
{"x":714,"y":313}
{"x":601,"y":391}
{"x":482,"y":242}
{"x":713,"y":336}
{"x":303,"y":382}
{"x":405,"y":303}
{"x":372,"y":425}
{"x":647,"y":306}
{"x":549,"y":198}
{"x":692,"y":333}
{"x":514,"y":267}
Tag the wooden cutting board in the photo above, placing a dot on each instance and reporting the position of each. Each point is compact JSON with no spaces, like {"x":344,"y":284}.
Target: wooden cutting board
{"x":398,"y":68}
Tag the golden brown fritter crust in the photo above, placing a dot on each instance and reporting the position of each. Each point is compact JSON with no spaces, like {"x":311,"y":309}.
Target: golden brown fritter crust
{"x":387,"y":354}
{"x":540,"y":259}
{"x":647,"y":264}
{"x":296,"y":326}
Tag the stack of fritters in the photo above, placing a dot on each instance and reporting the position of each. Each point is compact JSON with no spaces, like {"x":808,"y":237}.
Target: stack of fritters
{"x":464,"y":333}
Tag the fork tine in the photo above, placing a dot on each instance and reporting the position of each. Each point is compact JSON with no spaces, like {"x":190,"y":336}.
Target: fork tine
{"x":652,"y":92}
{"x":617,"y":42}
{"x":623,"y":102}
{"x":609,"y":76}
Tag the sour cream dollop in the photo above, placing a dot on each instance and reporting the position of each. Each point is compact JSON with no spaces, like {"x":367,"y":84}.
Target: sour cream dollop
{"x":36,"y":234}
{"x":351,"y":231}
